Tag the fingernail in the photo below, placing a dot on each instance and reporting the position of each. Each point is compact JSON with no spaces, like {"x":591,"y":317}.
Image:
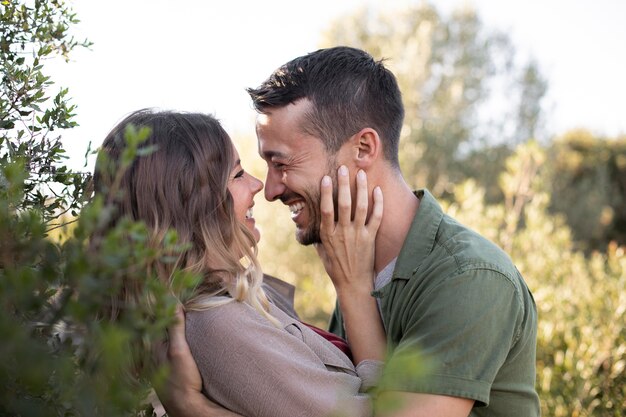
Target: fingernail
{"x":361,"y":174}
{"x":343,"y":170}
{"x":326,"y":181}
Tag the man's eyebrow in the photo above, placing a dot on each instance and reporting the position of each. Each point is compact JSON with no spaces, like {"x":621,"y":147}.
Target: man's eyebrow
{"x":274,"y":154}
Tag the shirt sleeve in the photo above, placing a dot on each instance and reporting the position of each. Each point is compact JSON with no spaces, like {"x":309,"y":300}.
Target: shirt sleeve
{"x":252,"y":367}
{"x":464,"y":327}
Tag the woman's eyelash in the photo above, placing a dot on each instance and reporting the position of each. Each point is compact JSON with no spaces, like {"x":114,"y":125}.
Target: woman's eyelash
{"x":239,"y":174}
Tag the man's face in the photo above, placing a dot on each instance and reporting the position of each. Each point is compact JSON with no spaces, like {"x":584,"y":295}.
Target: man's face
{"x":296,"y":163}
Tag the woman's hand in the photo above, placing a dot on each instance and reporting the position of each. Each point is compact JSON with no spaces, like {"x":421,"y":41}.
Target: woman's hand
{"x":347,"y":250}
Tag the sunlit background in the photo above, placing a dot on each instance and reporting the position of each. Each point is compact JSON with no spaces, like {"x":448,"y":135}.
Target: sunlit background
{"x":201,"y":55}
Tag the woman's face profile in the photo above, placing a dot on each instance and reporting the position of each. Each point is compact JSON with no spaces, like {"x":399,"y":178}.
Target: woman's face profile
{"x":243,"y":187}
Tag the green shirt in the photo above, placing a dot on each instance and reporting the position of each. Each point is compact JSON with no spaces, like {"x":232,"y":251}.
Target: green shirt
{"x":460,"y":301}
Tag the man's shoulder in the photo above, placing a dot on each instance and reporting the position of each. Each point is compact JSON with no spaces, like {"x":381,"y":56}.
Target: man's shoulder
{"x":456,"y":249}
{"x":469,"y":249}
{"x":436,"y":239}
{"x":459,"y":256}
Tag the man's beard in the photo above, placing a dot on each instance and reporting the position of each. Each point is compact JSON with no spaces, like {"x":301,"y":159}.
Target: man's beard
{"x":311,"y":234}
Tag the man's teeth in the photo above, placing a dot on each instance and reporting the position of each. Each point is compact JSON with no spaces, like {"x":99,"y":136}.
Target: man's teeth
{"x":296,"y":207}
{"x":249,"y":213}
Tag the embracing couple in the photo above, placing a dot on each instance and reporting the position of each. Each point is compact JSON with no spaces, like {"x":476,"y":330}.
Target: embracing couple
{"x":408,"y":277}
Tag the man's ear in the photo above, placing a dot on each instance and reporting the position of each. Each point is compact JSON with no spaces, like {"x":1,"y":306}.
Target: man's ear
{"x":367,"y":147}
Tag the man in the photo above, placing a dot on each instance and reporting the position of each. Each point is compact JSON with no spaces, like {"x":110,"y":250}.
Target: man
{"x":442,"y":289}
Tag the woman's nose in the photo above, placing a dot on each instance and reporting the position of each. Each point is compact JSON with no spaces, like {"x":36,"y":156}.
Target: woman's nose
{"x":257,"y":184}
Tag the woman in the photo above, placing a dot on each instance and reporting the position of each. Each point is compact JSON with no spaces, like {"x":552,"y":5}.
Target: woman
{"x":254,"y":358}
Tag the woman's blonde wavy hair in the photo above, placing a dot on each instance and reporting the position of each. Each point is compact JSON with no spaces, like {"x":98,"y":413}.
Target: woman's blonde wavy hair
{"x":183,"y":185}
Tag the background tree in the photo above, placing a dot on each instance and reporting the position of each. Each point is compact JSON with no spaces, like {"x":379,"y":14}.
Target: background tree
{"x":588,"y":185}
{"x":462,"y":87}
{"x":530,"y":114}
{"x":33,"y":32}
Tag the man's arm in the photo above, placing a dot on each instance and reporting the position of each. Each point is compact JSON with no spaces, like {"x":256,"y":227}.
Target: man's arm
{"x":181,"y":396}
{"x":425,"y":405}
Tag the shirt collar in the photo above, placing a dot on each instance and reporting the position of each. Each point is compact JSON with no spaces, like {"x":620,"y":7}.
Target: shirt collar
{"x":421,"y":237}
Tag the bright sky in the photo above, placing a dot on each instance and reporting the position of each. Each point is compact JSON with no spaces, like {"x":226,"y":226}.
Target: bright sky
{"x":201,"y":55}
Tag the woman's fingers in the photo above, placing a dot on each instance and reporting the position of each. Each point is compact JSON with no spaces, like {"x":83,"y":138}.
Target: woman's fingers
{"x":360,"y":211}
{"x":327,"y":208}
{"x":176,"y":334}
{"x":174,"y":341}
{"x":348,"y":230}
{"x":344,"y":198}
{"x":377,"y":211}
{"x":344,"y":203}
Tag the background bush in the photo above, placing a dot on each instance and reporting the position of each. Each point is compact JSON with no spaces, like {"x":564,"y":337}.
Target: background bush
{"x":580,"y":298}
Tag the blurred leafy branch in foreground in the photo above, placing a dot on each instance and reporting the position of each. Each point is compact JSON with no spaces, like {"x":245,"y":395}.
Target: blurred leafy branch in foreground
{"x":60,"y":356}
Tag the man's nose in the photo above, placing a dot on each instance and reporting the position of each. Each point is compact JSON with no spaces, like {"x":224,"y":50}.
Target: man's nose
{"x":274,"y":186}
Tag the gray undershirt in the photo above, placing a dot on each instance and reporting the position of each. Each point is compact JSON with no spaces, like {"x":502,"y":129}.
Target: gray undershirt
{"x":383,"y":278}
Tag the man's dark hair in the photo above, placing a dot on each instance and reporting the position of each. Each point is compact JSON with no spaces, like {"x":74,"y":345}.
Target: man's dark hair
{"x":349,"y":91}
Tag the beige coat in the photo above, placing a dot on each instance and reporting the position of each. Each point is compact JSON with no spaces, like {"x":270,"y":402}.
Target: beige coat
{"x":254,"y":368}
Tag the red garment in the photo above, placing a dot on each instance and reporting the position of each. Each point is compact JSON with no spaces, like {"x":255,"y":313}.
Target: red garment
{"x":332,"y":338}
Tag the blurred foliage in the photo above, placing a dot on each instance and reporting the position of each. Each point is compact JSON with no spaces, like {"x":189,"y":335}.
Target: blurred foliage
{"x":60,"y":357}
{"x":588,"y":185}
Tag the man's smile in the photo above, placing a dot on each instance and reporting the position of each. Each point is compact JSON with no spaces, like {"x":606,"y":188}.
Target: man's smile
{"x":296,"y":208}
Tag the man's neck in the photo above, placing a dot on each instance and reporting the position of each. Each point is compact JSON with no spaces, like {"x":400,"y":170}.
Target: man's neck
{"x":400,"y":207}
